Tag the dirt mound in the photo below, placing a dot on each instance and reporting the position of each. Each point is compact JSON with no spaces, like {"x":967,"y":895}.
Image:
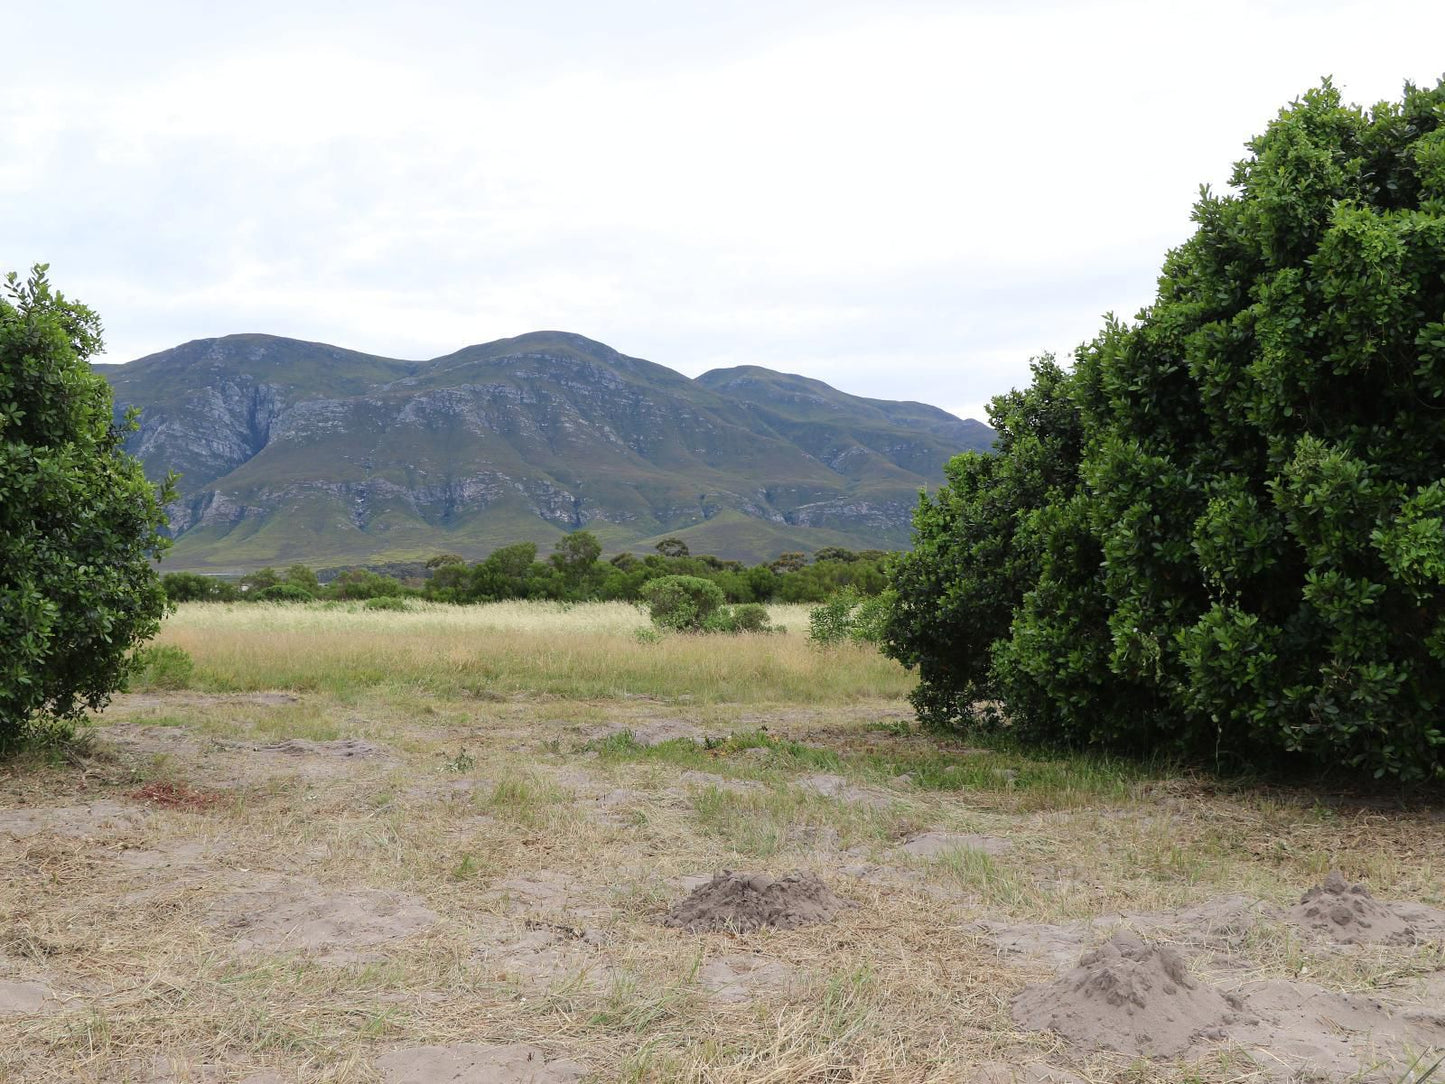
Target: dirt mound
{"x":1127,"y":996}
{"x":1321,"y":1034}
{"x":1350,"y":915}
{"x":741,"y":902}
{"x":472,"y":1063}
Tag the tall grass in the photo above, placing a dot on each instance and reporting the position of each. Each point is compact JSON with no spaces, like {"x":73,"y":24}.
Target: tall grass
{"x":587,"y":650}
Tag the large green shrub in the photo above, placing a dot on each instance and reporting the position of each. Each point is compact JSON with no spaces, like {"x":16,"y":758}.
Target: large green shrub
{"x":682,"y":603}
{"x":1253,"y":568}
{"x":79,"y":523}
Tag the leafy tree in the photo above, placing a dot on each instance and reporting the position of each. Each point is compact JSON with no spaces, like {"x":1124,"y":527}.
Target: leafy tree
{"x":506,"y":573}
{"x":303,"y":577}
{"x":673,"y":547}
{"x":354,"y":583}
{"x":79,"y":524}
{"x":262,"y":578}
{"x":193,"y":587}
{"x":443,"y":559}
{"x":575,"y":558}
{"x":789,"y":562}
{"x":448,"y":580}
{"x":1253,"y":564}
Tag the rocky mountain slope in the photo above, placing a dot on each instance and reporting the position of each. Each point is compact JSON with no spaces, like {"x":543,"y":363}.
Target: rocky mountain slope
{"x":295,"y":451}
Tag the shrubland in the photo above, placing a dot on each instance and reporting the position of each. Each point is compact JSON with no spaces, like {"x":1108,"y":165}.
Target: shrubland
{"x":574,"y":572}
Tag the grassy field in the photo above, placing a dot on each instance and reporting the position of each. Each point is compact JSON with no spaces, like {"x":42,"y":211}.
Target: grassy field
{"x":362,"y":846}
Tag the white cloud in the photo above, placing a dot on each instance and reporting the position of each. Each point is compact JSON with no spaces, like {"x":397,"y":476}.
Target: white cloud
{"x":906,"y":204}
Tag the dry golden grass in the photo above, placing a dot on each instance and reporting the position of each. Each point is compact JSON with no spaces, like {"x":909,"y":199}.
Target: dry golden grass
{"x":523,"y":800}
{"x":588,"y":650}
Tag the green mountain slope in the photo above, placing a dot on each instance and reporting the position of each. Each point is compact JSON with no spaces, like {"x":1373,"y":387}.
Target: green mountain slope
{"x":294,"y":451}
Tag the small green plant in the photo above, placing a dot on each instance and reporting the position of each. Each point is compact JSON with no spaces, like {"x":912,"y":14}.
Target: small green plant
{"x":466,"y":868}
{"x":462,"y":762}
{"x":160,"y":666}
{"x":1418,"y":1072}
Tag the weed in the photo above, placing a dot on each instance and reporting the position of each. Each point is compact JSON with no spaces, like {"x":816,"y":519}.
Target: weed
{"x":462,"y":762}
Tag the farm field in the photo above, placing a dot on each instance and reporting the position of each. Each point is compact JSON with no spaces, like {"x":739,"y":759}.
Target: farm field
{"x":446,"y":844}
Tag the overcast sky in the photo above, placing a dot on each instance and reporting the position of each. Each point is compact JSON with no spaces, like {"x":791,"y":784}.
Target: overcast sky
{"x":905,"y":199}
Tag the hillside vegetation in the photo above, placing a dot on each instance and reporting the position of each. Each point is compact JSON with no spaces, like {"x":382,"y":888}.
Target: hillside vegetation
{"x":293,"y":451}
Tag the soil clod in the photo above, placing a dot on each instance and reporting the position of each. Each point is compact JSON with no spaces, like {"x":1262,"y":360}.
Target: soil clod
{"x":742,"y":902}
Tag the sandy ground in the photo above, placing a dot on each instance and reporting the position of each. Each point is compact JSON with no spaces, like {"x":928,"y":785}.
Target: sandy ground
{"x":441,"y":893}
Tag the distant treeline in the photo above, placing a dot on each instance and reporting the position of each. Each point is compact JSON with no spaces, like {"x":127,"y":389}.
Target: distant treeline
{"x":574,"y":572}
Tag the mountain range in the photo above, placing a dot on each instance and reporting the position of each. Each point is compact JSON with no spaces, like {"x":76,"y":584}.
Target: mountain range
{"x":294,"y":451}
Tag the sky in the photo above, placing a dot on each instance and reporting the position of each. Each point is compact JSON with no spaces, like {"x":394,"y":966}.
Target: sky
{"x":907,"y":200}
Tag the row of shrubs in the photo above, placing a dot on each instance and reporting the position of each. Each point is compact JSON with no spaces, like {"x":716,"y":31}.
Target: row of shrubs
{"x":574,"y":572}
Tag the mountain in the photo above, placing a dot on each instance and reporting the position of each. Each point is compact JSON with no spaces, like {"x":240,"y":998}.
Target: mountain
{"x":295,"y":451}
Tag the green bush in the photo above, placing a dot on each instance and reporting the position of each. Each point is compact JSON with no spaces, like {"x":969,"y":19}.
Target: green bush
{"x":160,"y":666}
{"x":747,"y":617}
{"x":682,"y":603}
{"x":284,"y":592}
{"x":1236,"y":548}
{"x":849,"y":616}
{"x":384,"y":602}
{"x":362,"y":583}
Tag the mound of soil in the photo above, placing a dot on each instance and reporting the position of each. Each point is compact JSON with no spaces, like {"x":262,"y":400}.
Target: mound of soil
{"x":741,"y":902}
{"x":1350,"y":915}
{"x":472,"y":1063}
{"x":1128,"y":996}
